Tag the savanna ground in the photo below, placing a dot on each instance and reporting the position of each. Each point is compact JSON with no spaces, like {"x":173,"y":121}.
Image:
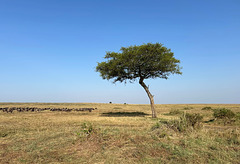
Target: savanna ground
{"x":116,"y":133}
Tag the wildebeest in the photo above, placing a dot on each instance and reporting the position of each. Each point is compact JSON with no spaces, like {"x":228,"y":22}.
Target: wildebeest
{"x":35,"y":109}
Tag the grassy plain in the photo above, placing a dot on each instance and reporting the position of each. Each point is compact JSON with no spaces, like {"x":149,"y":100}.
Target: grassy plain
{"x":115,"y":133}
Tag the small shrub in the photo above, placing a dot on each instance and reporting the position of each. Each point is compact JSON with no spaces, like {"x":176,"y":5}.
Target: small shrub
{"x":110,"y":102}
{"x":194,"y":120}
{"x":207,"y":108}
{"x":186,"y":122}
{"x":223,"y":113}
{"x":86,"y":130}
{"x":237,"y":115}
{"x":177,"y":125}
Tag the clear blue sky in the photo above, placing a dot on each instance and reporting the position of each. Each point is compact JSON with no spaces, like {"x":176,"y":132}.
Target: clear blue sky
{"x":49,"y":49}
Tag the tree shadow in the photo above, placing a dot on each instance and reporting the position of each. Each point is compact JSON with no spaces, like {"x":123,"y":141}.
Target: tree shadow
{"x":124,"y":114}
{"x":212,"y":120}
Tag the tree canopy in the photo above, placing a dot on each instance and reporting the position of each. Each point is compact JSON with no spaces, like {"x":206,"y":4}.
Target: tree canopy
{"x":140,"y":62}
{"x":144,"y":61}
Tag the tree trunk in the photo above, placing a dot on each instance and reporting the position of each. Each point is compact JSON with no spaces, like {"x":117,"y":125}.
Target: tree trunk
{"x":154,"y":114}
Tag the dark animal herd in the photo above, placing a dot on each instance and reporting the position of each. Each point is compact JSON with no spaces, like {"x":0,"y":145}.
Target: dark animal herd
{"x":35,"y":109}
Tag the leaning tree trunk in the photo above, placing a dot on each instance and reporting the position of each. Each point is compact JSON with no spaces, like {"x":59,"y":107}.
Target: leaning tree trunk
{"x":154,"y":114}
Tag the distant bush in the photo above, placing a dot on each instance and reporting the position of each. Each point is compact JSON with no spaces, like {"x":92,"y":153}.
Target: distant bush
{"x":223,"y":113}
{"x":207,"y":108}
{"x":117,"y":108}
{"x":175,"y":112}
{"x":110,"y":102}
{"x":187,"y":108}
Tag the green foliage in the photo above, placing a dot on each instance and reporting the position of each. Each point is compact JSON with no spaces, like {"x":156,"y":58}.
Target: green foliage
{"x":223,"y":113}
{"x":207,"y":108}
{"x":86,"y":129}
{"x":145,"y":61}
{"x":237,"y":115}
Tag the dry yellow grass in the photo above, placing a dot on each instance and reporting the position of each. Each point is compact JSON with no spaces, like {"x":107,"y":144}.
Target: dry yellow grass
{"x":122,"y":135}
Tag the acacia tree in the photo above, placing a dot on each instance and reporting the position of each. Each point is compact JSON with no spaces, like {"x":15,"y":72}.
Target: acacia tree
{"x":147,"y":61}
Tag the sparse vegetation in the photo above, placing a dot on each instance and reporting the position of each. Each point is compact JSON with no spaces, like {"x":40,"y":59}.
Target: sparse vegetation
{"x":207,"y":108}
{"x":175,"y":112}
{"x":117,"y":108}
{"x":185,"y":123}
{"x":237,"y":116}
{"x":187,"y":108}
{"x":86,"y":129}
{"x":129,"y":135}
